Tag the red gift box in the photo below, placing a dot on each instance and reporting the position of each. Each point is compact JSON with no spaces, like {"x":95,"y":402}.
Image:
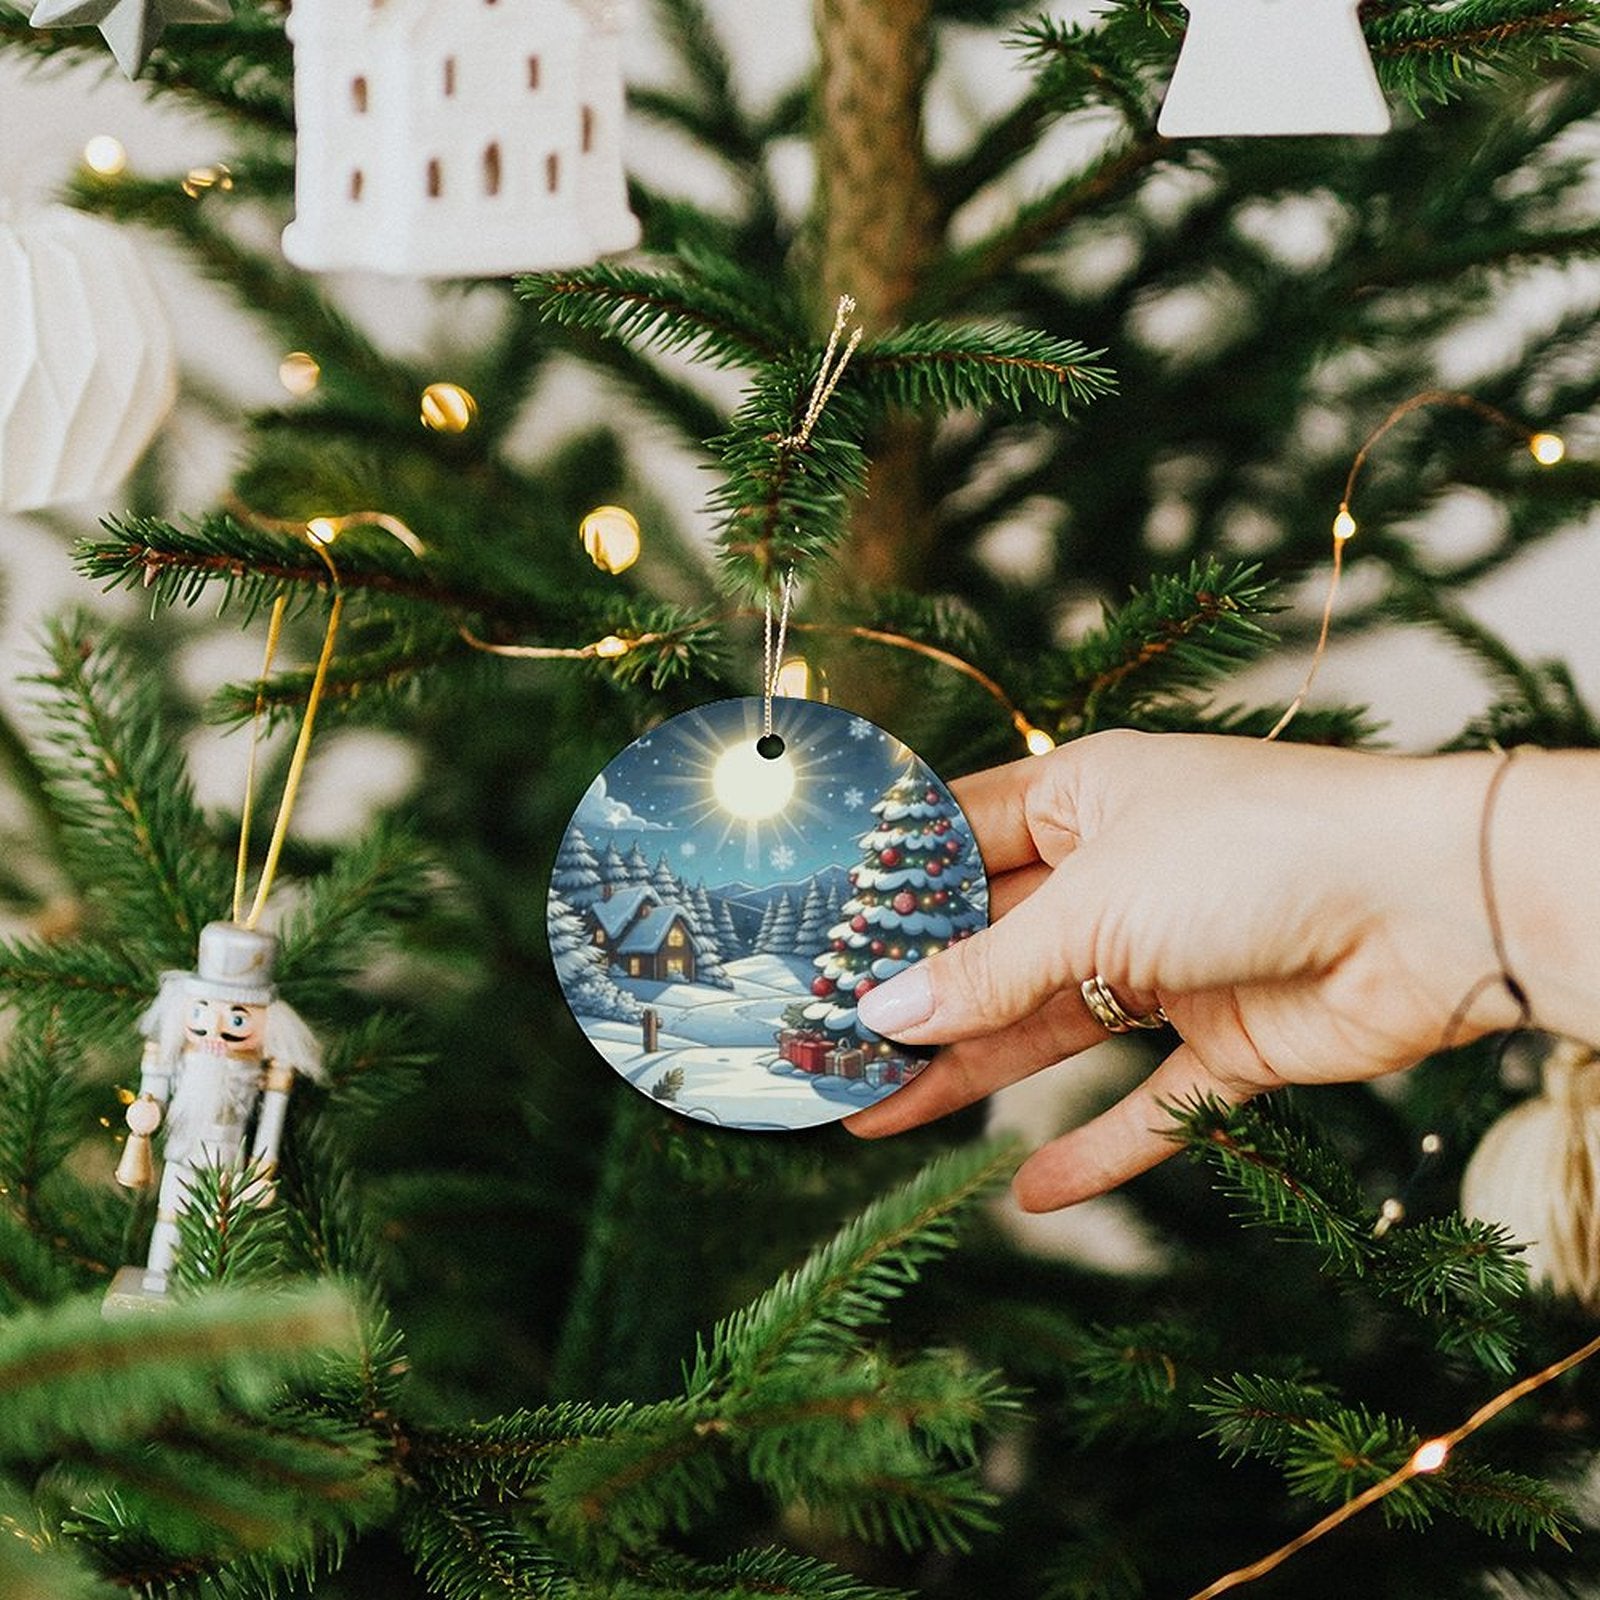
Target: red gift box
{"x":808,"y":1053}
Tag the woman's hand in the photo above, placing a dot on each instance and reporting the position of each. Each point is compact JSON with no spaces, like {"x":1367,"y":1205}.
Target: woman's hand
{"x":1302,"y":915}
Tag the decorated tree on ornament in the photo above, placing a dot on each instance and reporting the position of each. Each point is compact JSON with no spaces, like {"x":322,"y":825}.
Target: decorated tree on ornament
{"x":917,"y":891}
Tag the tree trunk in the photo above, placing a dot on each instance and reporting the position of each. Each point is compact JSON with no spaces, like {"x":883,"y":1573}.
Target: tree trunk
{"x":880,"y":229}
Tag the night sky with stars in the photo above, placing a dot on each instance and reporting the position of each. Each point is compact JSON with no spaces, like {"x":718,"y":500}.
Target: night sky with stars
{"x":660,"y":793}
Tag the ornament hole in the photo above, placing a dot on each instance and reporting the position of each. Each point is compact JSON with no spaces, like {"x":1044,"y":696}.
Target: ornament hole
{"x":770,"y":746}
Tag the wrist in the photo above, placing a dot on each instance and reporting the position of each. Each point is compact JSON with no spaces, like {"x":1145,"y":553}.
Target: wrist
{"x":1544,"y":866}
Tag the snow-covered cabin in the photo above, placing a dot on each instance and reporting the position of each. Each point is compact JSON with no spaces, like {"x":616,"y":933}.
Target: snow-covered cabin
{"x":460,"y":139}
{"x":644,"y":937}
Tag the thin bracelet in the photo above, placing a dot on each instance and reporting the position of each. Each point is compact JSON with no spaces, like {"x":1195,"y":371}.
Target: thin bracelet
{"x":1504,"y":977}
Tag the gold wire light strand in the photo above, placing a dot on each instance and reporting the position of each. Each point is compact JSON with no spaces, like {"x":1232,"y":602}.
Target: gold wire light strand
{"x":1427,"y":1457}
{"x":1344,"y":524}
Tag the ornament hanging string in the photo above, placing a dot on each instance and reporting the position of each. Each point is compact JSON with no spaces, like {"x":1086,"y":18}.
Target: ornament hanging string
{"x":772,"y":659}
{"x":297,"y":759}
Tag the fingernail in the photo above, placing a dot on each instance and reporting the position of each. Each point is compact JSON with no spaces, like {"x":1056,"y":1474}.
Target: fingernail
{"x":901,"y":1003}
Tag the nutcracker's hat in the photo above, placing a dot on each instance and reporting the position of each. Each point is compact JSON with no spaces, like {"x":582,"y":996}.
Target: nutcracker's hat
{"x":235,"y":964}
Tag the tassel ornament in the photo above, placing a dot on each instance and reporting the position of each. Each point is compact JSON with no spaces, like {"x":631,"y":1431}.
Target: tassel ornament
{"x":1537,"y":1173}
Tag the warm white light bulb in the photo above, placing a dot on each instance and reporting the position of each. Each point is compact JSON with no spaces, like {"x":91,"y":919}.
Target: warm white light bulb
{"x":611,"y":537}
{"x":1430,"y":1456}
{"x":1344,"y":525}
{"x":1547,"y":448}
{"x":750,"y":786}
{"x":1039,"y":742}
{"x":104,"y":154}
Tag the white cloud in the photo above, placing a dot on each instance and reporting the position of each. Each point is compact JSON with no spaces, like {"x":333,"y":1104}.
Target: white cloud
{"x":598,"y":809}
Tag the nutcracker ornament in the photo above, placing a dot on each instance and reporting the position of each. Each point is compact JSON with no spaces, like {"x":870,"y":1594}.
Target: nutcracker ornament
{"x":221,"y":1055}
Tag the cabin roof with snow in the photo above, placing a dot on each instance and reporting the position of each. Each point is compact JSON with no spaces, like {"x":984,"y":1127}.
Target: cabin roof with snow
{"x":615,"y":914}
{"x":650,"y":932}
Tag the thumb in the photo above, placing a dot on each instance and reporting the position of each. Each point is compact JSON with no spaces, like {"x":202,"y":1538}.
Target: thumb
{"x":999,"y":975}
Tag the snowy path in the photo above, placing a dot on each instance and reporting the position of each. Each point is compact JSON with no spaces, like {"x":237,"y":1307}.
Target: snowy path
{"x":723,"y":1041}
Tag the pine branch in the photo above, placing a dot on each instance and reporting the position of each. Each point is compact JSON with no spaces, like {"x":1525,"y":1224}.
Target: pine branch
{"x":464,"y":1552}
{"x":35,"y":1565}
{"x":1106,"y":179}
{"x":70,"y":1375}
{"x":1436,"y":53}
{"x":290,"y":302}
{"x":1271,"y":1162}
{"x":1175,"y":638}
{"x":844,"y":1287}
{"x":724,"y":323}
{"x":1331,"y":1451}
{"x":1461,"y":1277}
{"x":230,"y":1236}
{"x":127,"y":807}
{"x":96,"y":989}
{"x":952,"y":367}
{"x":382,"y":882}
{"x":783,"y":499}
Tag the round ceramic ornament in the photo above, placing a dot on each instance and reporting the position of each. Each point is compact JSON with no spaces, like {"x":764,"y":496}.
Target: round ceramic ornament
{"x":723,"y":898}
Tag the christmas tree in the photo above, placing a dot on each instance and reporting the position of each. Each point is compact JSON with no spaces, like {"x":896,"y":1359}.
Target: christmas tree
{"x":911,"y":901}
{"x":511,"y":1328}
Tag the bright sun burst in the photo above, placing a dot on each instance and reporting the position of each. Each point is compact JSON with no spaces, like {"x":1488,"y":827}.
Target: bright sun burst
{"x":749,"y":786}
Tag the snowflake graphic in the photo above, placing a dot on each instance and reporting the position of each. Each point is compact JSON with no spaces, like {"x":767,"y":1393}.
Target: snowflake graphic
{"x":783,"y":858}
{"x":687,"y":848}
{"x":854,"y":799}
{"x":860,"y":728}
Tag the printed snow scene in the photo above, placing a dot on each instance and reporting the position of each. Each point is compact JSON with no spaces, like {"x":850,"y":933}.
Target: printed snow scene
{"x":716,"y":912}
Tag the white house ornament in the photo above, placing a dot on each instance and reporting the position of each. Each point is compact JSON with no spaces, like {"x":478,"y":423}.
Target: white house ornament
{"x":1536,"y":1172}
{"x":468,"y":140}
{"x":719,"y":906}
{"x":87,"y":368}
{"x":1273,"y":67}
{"x":221,"y":1055}
{"x":133,"y":28}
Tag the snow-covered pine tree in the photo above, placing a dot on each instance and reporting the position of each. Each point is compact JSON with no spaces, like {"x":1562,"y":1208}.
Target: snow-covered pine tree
{"x":581,"y":967}
{"x":613,"y":869}
{"x":709,"y":967}
{"x":778,"y":929}
{"x":729,"y":943}
{"x":636,"y":864}
{"x":576,"y":876}
{"x":667,"y":884}
{"x":811,"y":933}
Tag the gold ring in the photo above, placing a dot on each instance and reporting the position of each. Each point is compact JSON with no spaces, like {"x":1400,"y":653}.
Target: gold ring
{"x":1110,"y":1012}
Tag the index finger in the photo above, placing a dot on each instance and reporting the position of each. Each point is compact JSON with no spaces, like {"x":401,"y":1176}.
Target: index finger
{"x":997,"y":803}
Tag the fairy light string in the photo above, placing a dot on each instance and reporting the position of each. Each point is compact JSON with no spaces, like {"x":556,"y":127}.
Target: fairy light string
{"x":1548,"y":449}
{"x":1428,"y":1457}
